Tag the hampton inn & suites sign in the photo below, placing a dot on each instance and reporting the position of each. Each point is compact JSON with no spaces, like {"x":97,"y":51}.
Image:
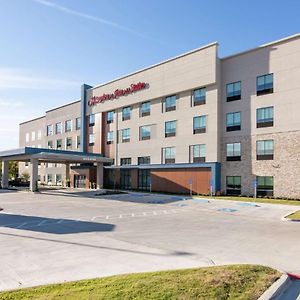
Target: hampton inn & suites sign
{"x":134,"y":87}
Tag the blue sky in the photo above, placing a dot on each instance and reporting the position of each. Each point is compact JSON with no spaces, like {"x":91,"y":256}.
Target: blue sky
{"x":50,"y":47}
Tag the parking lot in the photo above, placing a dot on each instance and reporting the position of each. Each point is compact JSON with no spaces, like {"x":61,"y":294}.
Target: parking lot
{"x":63,"y":235}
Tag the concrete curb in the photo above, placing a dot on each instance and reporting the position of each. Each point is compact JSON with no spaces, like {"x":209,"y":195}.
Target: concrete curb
{"x":277,"y":288}
{"x":284,"y":218}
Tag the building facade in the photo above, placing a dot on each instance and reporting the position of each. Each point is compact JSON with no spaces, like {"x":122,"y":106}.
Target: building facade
{"x":195,"y":123}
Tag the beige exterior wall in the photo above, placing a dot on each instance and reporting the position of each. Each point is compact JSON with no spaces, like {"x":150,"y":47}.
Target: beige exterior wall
{"x":180,"y":76}
{"x":283,"y":60}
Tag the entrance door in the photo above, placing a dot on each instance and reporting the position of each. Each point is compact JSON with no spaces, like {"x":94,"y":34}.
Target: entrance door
{"x":79,"y":181}
{"x":126,"y":179}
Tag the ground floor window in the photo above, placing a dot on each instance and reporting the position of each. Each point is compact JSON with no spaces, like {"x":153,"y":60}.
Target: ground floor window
{"x":125,"y":179}
{"x":58,"y":179}
{"x":233,"y":185}
{"x":49,"y":178}
{"x":144,"y":180}
{"x":79,"y":181}
{"x":265,"y":186}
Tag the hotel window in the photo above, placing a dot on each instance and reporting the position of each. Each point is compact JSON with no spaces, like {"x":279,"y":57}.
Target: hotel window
{"x":144,"y":179}
{"x":145,"y":133}
{"x":58,"y":128}
{"x":49,"y":130}
{"x":59,"y":144}
{"x":199,"y":124}
{"x":126,"y":113}
{"x":264,"y":117}
{"x":58,"y":179}
{"x":68,"y":126}
{"x":144,"y":160}
{"x":110,"y":117}
{"x":91,"y":139}
{"x":265,"y":150}
{"x":233,"y":152}
{"x":78,"y":142}
{"x":33,"y":136}
{"x":110,"y":137}
{"x":49,"y":178}
{"x":39,"y":134}
{"x":50,"y":145}
{"x":68,"y":143}
{"x":233,"y":91}
{"x":27,"y":137}
{"x":199,"y":96}
{"x":233,"y":185}
{"x":197,"y":153}
{"x":170,"y":128}
{"x":91,"y":120}
{"x":170,"y":103}
{"x":168,"y":155}
{"x":125,"y":161}
{"x":145,"y":109}
{"x":126,"y":135}
{"x":264,"y":84}
{"x":233,"y":121}
{"x":78,"y":123}
{"x":265,"y":185}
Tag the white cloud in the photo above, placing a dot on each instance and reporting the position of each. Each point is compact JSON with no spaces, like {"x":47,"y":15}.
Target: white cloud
{"x":89,"y":17}
{"x":12,"y":78}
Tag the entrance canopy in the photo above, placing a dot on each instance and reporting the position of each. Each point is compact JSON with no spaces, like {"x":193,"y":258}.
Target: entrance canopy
{"x":52,"y":156}
{"x":36,"y":155}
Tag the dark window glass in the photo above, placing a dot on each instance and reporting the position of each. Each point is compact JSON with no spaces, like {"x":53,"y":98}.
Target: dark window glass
{"x":110,"y":137}
{"x":264,"y":117}
{"x":144,"y":160}
{"x":125,"y":181}
{"x":169,"y":155}
{"x":198,"y":153}
{"x":125,"y":161}
{"x":233,"y":185}
{"x":69,"y":143}
{"x":110,"y":117}
{"x":264,"y":150}
{"x":233,"y":91}
{"x":145,"y":109}
{"x":233,"y":121}
{"x":265,"y":185}
{"x":144,"y":180}
{"x":78,"y":123}
{"x":199,"y":124}
{"x":59,"y":144}
{"x":126,"y":113}
{"x":170,"y":128}
{"x":91,"y":120}
{"x":264,"y":84}
{"x":233,"y":151}
{"x":170,"y":103}
{"x":199,"y":96}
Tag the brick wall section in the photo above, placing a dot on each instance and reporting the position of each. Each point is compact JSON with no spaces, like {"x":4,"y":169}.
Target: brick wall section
{"x":285,"y":167}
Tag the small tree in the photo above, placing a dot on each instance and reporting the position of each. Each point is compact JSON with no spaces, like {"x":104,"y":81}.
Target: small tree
{"x":25,"y":176}
{"x":13,"y":169}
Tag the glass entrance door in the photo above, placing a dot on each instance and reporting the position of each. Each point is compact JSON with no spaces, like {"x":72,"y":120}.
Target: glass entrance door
{"x":79,"y":181}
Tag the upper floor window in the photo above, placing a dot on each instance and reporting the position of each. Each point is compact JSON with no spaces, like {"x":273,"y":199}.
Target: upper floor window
{"x":125,"y":161}
{"x":264,"y":84}
{"x":59,"y":144}
{"x":168,"y":155}
{"x":58,"y":128}
{"x":33,"y":136}
{"x":110,"y":117}
{"x":126,"y":113}
{"x":91,"y":120}
{"x":145,"y":132}
{"x":265,"y":185}
{"x":170,"y":103}
{"x":49,"y":130}
{"x":27,"y":137}
{"x":68,"y":126}
{"x":264,"y":117}
{"x":77,"y":141}
{"x":233,"y":152}
{"x":144,"y":160}
{"x":78,"y":123}
{"x":170,"y":128}
{"x":199,"y":96}
{"x":233,"y":185}
{"x":199,"y":124}
{"x":68,"y":143}
{"x":50,"y":144}
{"x":145,"y":109}
{"x":91,"y":139}
{"x":233,"y":91}
{"x":265,"y":150}
{"x":198,"y":153}
{"x":233,"y":121}
{"x":110,"y":137}
{"x":125,"y":135}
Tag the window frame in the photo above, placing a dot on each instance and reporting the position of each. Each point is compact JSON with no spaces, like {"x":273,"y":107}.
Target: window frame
{"x":265,"y":122}
{"x":147,"y":112}
{"x":202,"y":100}
{"x":108,"y":140}
{"x":200,"y":158}
{"x":234,"y":157}
{"x":171,"y":133}
{"x":127,"y":116}
{"x":170,"y":108}
{"x":200,"y":129}
{"x":170,"y":160}
{"x":236,"y":126}
{"x":262,"y":154}
{"x":91,"y":143}
{"x":234,"y":188}
{"x":110,"y":120}
{"x":66,"y":125}
{"x":126,"y":139}
{"x":236,"y":94}
{"x":147,"y":137}
{"x":266,"y":88}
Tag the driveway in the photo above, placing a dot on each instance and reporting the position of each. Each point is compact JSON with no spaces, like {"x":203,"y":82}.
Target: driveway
{"x":63,"y":235}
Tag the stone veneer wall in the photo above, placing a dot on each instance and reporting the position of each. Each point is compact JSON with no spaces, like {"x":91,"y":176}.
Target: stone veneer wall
{"x":285,"y":167}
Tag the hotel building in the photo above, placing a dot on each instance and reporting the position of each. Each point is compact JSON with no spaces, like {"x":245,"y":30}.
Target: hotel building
{"x":194,"y":122}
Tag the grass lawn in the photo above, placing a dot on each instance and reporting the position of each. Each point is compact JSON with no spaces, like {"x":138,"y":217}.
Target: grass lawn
{"x":294,"y":216}
{"x":258,"y":200}
{"x":222,"y":282}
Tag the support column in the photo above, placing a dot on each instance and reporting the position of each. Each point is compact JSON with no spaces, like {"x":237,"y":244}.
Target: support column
{"x":5,"y":174}
{"x":99,"y":175}
{"x":34,"y":170}
{"x":67,"y":179}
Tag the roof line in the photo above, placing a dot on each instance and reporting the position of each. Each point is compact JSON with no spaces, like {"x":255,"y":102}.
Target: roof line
{"x":291,"y":37}
{"x":31,"y":120}
{"x":156,"y":65}
{"x":61,"y":106}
